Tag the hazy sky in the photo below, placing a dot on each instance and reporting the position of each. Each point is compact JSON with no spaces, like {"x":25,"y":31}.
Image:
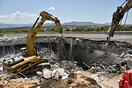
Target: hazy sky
{"x":26,"y":11}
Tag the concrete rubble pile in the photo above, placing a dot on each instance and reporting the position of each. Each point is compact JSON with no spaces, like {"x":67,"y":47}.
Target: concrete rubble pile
{"x":59,"y":70}
{"x":101,"y":64}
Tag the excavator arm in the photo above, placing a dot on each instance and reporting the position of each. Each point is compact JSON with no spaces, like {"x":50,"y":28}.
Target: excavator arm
{"x":36,"y":27}
{"x":117,"y":16}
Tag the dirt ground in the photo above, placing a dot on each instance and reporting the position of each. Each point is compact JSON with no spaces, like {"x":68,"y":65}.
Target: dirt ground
{"x":73,"y":81}
{"x":17,"y":83}
{"x":82,"y":79}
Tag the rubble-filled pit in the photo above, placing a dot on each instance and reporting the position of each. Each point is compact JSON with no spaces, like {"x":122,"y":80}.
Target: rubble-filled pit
{"x":104,"y":61}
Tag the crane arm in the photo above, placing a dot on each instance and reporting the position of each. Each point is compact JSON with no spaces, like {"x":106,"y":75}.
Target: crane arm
{"x":117,"y":16}
{"x":36,"y":27}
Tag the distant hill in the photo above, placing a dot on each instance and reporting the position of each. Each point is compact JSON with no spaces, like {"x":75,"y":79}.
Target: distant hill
{"x":74,"y":23}
{"x":14,"y":25}
{"x":81,"y":23}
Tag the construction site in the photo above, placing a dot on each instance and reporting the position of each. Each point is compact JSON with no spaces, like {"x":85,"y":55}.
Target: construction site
{"x":67,"y":59}
{"x":75,"y":62}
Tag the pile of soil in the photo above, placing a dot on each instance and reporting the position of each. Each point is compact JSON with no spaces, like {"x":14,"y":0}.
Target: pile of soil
{"x":73,"y":81}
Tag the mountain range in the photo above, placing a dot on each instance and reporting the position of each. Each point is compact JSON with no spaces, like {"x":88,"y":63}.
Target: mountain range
{"x":73,"y":23}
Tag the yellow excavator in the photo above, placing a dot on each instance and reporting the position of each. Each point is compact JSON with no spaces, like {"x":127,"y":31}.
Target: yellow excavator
{"x":29,"y":57}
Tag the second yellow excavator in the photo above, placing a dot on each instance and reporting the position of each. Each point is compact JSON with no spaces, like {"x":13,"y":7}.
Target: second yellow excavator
{"x":29,"y":56}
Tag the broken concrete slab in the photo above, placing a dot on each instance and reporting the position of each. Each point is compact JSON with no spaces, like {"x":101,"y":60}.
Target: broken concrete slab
{"x":39,"y":73}
{"x":60,"y":72}
{"x":47,"y":74}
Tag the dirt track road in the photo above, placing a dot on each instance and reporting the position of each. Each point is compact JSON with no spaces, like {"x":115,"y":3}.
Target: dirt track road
{"x":127,"y":37}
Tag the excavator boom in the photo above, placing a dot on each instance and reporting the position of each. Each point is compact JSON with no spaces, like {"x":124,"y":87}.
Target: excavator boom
{"x":36,"y":27}
{"x":117,"y":16}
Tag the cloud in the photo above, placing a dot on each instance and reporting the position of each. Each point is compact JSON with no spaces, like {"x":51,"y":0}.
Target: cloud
{"x":51,"y":8}
{"x":18,"y":18}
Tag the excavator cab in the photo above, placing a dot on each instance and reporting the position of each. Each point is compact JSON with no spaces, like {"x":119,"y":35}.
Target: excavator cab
{"x":24,"y":51}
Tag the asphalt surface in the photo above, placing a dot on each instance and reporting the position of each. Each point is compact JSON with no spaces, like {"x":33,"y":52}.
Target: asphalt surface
{"x":125,"y":37}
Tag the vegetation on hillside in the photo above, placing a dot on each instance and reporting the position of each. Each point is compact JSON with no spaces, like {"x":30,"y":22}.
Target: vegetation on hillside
{"x":65,"y":28}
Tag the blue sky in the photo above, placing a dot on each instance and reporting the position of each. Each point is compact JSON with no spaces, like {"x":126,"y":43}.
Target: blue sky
{"x":26,"y":11}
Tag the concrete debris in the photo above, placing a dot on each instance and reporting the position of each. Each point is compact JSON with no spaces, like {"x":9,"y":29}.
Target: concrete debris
{"x":39,"y":73}
{"x":100,"y":61}
{"x":116,"y":68}
{"x":56,"y":65}
{"x":70,"y":65}
{"x":122,"y":54}
{"x":123,"y":69}
{"x":60,"y":72}
{"x":93,"y":70}
{"x":130,"y":51}
{"x":47,"y":73}
{"x":1,"y":69}
{"x":130,"y":56}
